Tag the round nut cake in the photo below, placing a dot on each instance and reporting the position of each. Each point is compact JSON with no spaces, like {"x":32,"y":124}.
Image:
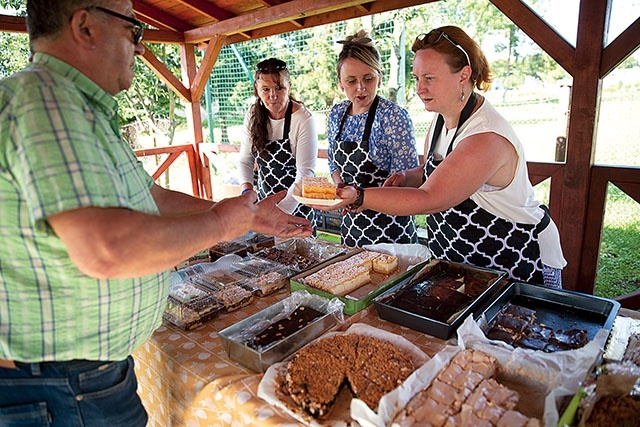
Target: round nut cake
{"x":370,"y":367}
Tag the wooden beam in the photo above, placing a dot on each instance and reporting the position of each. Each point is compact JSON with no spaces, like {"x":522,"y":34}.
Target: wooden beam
{"x":157,"y":18}
{"x":203,"y":7}
{"x":274,"y":15}
{"x":13,"y":24}
{"x":620,"y":49}
{"x":585,"y":98}
{"x":194,"y":119}
{"x":165,"y":75}
{"x":539,"y":31}
{"x":210,"y":57}
{"x":162,"y":36}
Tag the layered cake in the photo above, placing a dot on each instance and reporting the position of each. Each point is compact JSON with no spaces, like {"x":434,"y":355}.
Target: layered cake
{"x":290,"y":259}
{"x":318,"y":188}
{"x":228,"y":247}
{"x":298,"y":319}
{"x":266,"y":283}
{"x":369,"y":366}
{"x":516,"y":325}
{"x":345,"y":276}
{"x":251,"y":267}
{"x":215,"y":279}
{"x":233,"y":297}
{"x":189,"y":306}
{"x":259,"y":241}
{"x":465,"y":393}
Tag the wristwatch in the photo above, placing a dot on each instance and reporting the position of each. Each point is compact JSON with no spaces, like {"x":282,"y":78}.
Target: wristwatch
{"x":359,"y":199}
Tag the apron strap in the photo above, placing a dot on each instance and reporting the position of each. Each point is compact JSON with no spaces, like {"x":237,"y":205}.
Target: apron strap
{"x":287,"y":121}
{"x":368,"y":125}
{"x":545,"y":221}
{"x":466,"y":113}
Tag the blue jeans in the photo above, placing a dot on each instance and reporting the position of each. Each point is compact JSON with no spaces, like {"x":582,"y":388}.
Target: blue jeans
{"x":78,"y":393}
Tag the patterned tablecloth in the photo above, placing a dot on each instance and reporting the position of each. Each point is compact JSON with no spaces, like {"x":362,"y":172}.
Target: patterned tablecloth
{"x":186,"y":379}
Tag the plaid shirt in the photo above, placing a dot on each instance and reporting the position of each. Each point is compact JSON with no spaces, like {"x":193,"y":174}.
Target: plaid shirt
{"x":60,"y":149}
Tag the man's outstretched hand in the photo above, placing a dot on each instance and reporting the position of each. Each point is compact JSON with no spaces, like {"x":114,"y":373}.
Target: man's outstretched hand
{"x":272,"y":221}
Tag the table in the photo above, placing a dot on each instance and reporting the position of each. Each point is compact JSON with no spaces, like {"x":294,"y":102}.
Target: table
{"x":186,"y":379}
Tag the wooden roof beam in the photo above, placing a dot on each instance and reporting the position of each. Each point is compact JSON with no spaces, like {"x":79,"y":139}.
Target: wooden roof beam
{"x":205,"y":8}
{"x":274,"y":15}
{"x":539,"y":31}
{"x":157,"y":18}
{"x":14,"y":24}
{"x":204,"y":70}
{"x":620,"y":49}
{"x":165,"y":75}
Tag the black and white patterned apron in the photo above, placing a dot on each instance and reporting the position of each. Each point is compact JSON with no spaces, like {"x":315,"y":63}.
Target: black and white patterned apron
{"x":277,"y":168}
{"x":469,"y":234}
{"x":368,"y":227}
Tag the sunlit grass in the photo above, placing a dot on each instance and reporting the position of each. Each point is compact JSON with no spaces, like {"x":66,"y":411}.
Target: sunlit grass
{"x":619,"y":263}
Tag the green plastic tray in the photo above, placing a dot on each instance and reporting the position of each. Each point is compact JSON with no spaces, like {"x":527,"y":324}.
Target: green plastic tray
{"x":352,"y":306}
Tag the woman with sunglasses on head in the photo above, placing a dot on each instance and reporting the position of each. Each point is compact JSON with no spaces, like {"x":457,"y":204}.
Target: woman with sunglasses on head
{"x":474,"y":183}
{"x":280,"y":136}
{"x":370,"y":138}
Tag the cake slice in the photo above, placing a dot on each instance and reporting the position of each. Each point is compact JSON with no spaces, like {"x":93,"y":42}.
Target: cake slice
{"x":385,"y":264}
{"x":317,"y":188}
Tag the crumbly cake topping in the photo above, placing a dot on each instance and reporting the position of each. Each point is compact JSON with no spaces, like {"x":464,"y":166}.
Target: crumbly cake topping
{"x":369,"y":366}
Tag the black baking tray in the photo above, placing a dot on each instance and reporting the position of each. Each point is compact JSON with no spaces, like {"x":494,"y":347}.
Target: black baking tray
{"x":494,"y":280}
{"x":559,"y":308}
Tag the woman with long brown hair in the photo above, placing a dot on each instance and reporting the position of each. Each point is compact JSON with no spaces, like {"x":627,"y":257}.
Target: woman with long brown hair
{"x":280,"y":136}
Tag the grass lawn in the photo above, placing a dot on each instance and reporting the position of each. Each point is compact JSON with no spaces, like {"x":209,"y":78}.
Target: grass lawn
{"x":619,"y":264}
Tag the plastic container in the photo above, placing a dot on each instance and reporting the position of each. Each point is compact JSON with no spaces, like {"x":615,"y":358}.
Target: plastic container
{"x":184,"y":274}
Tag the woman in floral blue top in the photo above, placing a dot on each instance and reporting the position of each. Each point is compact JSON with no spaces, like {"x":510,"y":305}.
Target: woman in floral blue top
{"x":370,"y":138}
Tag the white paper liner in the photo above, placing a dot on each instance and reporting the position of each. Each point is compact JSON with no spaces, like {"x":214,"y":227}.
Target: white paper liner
{"x":559,"y":374}
{"x":413,"y":253}
{"x":268,"y":387}
{"x":622,"y":329}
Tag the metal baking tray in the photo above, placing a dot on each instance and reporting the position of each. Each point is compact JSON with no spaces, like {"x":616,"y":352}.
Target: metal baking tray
{"x":363,"y":296}
{"x":559,"y":309}
{"x":430,"y":324}
{"x":235,"y":337}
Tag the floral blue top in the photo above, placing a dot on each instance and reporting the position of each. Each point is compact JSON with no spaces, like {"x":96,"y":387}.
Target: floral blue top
{"x":392,"y":145}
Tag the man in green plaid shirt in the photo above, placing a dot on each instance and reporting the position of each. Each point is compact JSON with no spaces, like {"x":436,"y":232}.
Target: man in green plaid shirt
{"x":87,"y":236}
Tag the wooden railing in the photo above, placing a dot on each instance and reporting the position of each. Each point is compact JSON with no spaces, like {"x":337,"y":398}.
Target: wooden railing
{"x":174,"y":151}
{"x":627,"y":179}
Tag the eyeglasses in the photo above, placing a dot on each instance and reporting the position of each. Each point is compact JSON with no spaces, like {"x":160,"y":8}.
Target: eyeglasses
{"x":271,"y":64}
{"x":434,"y":36}
{"x":138,"y":27}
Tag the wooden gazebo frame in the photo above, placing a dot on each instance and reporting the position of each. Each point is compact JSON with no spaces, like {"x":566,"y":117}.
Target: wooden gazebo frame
{"x":578,"y":187}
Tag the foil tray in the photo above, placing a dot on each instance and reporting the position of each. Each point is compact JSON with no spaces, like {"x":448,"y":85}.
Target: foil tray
{"x":430,"y":323}
{"x":235,"y":337}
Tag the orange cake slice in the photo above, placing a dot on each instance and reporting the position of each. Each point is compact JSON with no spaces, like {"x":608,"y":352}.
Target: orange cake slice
{"x":314,"y":187}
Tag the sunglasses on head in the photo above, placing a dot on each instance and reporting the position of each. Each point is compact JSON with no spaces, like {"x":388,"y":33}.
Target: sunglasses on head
{"x":138,"y":27}
{"x":434,"y":36}
{"x":271,"y":65}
